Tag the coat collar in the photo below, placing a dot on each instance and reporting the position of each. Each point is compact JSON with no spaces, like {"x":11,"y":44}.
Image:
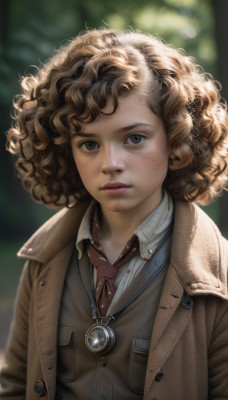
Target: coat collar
{"x":54,"y":235}
{"x":199,"y":253}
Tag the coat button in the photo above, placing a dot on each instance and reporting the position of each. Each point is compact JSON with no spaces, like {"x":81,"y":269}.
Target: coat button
{"x":40,"y":388}
{"x":187,"y":302}
{"x":102,"y":362}
{"x":159,"y":376}
{"x":43,"y":282}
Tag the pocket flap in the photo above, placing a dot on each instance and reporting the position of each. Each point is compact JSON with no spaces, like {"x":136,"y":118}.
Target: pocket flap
{"x":141,"y":345}
{"x":65,"y":337}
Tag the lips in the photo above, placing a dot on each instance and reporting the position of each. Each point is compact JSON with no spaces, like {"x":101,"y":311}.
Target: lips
{"x":114,"y":185}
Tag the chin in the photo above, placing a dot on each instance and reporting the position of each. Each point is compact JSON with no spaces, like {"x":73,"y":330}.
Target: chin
{"x":119,"y":207}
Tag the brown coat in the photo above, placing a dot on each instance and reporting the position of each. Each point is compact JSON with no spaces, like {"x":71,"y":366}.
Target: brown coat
{"x":188,"y":357}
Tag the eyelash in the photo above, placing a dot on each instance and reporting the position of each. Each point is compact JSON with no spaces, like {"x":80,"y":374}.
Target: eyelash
{"x":82,"y":145}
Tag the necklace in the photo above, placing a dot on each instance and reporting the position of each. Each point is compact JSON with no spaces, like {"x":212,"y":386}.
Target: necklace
{"x":100,"y":337}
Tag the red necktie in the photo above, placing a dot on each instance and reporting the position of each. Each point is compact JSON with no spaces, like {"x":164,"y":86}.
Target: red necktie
{"x":106,"y":272}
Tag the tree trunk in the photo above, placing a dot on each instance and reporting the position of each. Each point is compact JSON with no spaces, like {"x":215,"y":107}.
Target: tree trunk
{"x":220,"y":12}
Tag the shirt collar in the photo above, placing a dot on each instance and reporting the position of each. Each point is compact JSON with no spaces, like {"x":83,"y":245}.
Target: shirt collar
{"x":149,"y":233}
{"x":155,"y":226}
{"x":84,"y":229}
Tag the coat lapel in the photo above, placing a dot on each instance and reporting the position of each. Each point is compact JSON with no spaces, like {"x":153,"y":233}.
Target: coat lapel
{"x":171,"y":321}
{"x":48,"y":294}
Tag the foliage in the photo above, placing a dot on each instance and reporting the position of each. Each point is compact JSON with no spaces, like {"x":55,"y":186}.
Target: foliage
{"x":33,"y":31}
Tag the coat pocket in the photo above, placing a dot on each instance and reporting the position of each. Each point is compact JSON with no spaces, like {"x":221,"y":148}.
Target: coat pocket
{"x":66,"y":355}
{"x":138,"y":363}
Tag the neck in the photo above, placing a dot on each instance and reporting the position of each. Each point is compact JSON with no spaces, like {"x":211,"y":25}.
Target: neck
{"x":117,"y":227}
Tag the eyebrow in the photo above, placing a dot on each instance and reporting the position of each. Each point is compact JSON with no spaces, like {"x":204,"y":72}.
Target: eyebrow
{"x":120,"y":130}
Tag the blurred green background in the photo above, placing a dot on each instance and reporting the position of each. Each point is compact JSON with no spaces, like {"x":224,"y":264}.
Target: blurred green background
{"x":30,"y":30}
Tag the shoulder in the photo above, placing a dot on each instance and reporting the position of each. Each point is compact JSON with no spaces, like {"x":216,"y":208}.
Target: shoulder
{"x":193,"y":222}
{"x":199,"y":251}
{"x":54,"y":234}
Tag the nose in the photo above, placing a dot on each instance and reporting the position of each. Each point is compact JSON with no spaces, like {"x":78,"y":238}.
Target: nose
{"x":112,"y":160}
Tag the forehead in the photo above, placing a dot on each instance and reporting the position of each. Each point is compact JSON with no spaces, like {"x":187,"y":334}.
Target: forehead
{"x":132,"y":110}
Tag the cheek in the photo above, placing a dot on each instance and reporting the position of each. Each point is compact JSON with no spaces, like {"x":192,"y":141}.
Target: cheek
{"x":79,"y":161}
{"x":83,"y":169}
{"x":154,"y":161}
{"x":86,"y":172}
{"x":79,"y":165}
{"x":154,"y":166}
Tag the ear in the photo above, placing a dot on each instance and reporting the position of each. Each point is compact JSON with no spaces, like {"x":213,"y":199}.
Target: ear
{"x":172,"y":156}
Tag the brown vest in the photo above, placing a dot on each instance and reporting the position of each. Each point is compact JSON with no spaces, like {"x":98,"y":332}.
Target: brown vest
{"x":119,"y":374}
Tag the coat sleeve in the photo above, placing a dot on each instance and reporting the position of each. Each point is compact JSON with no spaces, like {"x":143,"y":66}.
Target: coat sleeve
{"x":14,"y":369}
{"x":218,"y":355}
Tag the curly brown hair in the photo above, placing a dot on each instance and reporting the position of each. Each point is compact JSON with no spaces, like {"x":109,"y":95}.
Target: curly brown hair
{"x":74,"y":86}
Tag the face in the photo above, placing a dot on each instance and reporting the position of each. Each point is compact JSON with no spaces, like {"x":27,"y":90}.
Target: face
{"x":123,"y":158}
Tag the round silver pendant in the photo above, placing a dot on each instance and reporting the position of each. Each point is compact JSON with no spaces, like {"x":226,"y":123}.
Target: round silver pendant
{"x":100,"y":338}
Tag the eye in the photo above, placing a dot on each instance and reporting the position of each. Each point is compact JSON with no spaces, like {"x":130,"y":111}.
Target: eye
{"x":136,"y":138}
{"x":89,"y":145}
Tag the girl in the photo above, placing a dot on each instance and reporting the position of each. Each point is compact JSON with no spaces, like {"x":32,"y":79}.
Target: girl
{"x":124,"y":291}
